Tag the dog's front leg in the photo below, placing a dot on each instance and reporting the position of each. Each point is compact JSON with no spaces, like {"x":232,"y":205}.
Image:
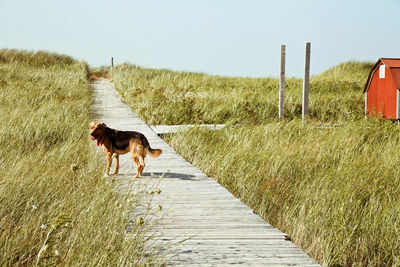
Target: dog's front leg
{"x":116,"y":156}
{"x":109,"y":160}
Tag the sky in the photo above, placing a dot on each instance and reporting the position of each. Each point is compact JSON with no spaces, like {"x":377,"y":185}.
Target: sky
{"x":223,"y":37}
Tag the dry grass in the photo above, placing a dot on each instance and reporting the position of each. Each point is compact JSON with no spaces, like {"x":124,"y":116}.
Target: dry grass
{"x":167,"y":97}
{"x":100,"y":72}
{"x":334,"y":190}
{"x":56,"y":208}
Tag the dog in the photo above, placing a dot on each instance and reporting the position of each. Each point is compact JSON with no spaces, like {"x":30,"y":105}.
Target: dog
{"x":115,"y":143}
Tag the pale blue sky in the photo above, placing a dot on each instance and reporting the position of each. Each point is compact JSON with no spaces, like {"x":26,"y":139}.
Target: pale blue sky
{"x":225,"y":37}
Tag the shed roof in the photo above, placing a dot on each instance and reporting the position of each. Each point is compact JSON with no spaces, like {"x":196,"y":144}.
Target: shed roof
{"x":391,"y":62}
{"x":394,"y":66}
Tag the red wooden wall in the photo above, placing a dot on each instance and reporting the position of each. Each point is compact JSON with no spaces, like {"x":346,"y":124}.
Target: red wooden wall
{"x":382,"y":96}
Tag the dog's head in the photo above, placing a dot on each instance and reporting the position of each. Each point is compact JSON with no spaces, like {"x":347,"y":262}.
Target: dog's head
{"x":97,"y":130}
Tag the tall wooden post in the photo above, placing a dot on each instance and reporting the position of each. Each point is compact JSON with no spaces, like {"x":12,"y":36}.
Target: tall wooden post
{"x":282,"y":83}
{"x":112,"y":67}
{"x":306,"y":80}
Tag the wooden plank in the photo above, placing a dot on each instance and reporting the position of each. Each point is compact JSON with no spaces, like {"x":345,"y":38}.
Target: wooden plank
{"x":167,"y":129}
{"x":206,"y":225}
{"x":243,"y":244}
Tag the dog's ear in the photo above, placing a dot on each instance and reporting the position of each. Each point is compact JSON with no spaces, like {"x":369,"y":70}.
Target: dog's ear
{"x":102,"y":124}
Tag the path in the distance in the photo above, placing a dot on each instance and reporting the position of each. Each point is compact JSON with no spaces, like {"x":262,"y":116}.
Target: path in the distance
{"x":221,"y":229}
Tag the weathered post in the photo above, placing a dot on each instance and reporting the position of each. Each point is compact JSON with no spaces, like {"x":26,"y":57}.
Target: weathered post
{"x":112,"y":67}
{"x":282,"y":83}
{"x":306,"y":80}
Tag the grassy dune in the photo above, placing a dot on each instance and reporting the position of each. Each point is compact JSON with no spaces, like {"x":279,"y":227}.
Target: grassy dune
{"x":167,"y":97}
{"x":334,"y":190}
{"x":56,"y":209}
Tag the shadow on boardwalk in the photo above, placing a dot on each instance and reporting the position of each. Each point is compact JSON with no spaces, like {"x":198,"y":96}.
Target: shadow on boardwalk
{"x":162,"y":175}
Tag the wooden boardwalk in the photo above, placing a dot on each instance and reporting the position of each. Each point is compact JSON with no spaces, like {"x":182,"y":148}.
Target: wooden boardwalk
{"x":220,"y":230}
{"x":166,"y":129}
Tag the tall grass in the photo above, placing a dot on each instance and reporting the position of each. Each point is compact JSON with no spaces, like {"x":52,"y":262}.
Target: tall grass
{"x":332,"y":189}
{"x":55,"y":206}
{"x":168,"y":97}
{"x":100,"y":72}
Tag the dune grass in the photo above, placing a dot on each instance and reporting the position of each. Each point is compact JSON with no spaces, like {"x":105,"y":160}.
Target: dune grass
{"x":56,"y":208}
{"x":332,"y":183}
{"x":334,"y":191}
{"x":168,"y":97}
{"x":100,"y":72}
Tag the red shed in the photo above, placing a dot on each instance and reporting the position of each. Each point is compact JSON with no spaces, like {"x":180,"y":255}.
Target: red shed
{"x":382,"y":90}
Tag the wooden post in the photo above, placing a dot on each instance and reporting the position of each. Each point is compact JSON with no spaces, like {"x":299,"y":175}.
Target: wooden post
{"x":112,"y":67}
{"x":282,"y":83}
{"x":306,"y":81}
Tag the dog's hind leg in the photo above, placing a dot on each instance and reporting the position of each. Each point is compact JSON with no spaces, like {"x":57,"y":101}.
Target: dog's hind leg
{"x":116,"y":156}
{"x":141,"y":165}
{"x":137,"y":155}
{"x":135,"y":159}
{"x":141,"y":152}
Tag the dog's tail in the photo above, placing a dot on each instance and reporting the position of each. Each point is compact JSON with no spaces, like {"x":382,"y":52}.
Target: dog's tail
{"x":154,"y":152}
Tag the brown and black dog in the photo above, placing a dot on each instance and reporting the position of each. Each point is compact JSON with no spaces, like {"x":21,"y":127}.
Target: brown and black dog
{"x":121,"y":142}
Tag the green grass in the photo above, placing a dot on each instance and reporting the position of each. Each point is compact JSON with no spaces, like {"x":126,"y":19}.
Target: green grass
{"x":56,"y":208}
{"x":167,"y":97}
{"x":334,"y":190}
